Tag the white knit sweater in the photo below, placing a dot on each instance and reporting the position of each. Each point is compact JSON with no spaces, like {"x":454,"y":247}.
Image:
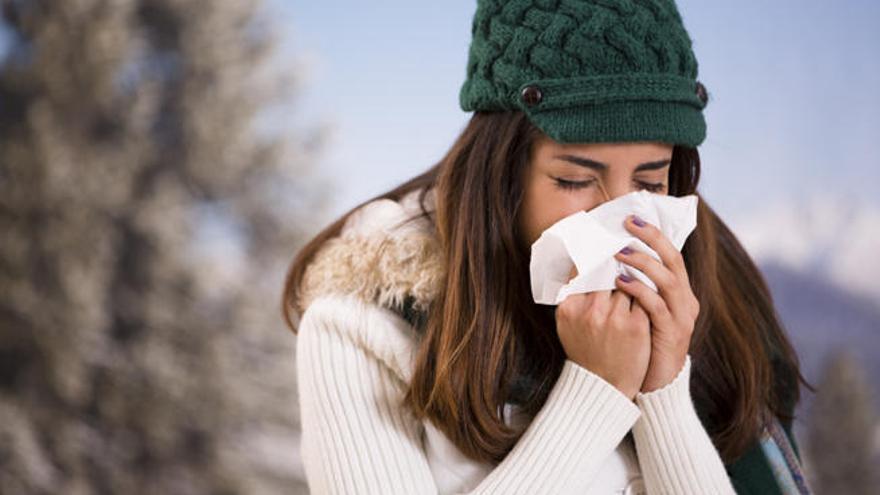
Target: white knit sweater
{"x":354,"y":359}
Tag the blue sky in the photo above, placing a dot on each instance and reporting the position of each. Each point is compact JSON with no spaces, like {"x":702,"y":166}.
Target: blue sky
{"x":794,"y":110}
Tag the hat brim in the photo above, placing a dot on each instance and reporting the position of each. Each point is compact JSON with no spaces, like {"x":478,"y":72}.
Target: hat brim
{"x":622,"y":121}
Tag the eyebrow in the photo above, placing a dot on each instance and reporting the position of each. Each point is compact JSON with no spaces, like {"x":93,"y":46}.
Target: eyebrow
{"x":601,"y":167}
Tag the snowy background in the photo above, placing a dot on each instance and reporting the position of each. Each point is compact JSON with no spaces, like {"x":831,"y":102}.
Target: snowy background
{"x":790,"y":163}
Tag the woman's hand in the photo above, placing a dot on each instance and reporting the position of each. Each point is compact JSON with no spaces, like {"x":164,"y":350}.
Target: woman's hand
{"x":606,"y":332}
{"x":673,"y":309}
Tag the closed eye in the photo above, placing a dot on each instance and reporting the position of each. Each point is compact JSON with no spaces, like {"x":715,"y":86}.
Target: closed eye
{"x":652,"y":186}
{"x":574,"y":185}
{"x":570,"y":184}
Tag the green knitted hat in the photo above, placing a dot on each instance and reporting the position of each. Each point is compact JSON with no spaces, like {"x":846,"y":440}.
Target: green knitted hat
{"x":588,"y":70}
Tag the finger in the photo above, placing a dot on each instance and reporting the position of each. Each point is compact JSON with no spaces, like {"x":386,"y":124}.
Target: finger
{"x":649,"y":300}
{"x":601,"y":299}
{"x":663,"y":278}
{"x":621,"y":302}
{"x":676,"y":291}
{"x":638,"y":312}
{"x":656,"y":240}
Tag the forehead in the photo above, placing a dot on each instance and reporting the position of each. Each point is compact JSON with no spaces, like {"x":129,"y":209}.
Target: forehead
{"x":612,"y":154}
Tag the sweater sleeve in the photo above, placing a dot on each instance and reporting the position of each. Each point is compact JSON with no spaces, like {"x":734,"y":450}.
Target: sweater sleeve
{"x":351,"y":369}
{"x":675,"y":452}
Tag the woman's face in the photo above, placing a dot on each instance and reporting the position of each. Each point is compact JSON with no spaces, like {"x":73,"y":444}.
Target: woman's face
{"x":562,"y":179}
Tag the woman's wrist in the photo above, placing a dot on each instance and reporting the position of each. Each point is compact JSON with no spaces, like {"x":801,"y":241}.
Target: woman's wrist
{"x":656,"y":385}
{"x":663,"y":373}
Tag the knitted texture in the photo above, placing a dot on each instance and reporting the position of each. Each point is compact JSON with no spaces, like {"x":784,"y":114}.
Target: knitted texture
{"x":587,"y":70}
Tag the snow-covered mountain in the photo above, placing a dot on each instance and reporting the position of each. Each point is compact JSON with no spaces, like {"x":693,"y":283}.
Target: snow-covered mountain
{"x":830,"y":236}
{"x":820,"y":317}
{"x":820,"y":256}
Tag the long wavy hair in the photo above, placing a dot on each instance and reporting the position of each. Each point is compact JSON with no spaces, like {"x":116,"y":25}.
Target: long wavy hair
{"x":483,"y":335}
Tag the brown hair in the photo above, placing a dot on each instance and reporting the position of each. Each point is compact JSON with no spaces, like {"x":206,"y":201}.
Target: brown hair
{"x":483,"y":333}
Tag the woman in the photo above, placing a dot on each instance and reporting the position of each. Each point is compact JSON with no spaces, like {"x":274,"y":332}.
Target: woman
{"x":424,"y":365}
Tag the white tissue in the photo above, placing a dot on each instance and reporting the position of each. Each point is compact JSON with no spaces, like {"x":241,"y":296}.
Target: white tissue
{"x":589,"y":241}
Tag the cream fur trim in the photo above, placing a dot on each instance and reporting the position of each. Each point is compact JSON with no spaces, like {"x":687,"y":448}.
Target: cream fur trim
{"x":378,"y":260}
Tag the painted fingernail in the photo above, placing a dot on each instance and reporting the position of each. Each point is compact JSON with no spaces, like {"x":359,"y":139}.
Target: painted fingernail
{"x":638,"y":221}
{"x":625,"y":278}
{"x":626,"y":250}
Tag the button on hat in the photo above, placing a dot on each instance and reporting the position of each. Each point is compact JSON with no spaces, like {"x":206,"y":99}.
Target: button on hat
{"x":701,"y":92}
{"x":531,"y":95}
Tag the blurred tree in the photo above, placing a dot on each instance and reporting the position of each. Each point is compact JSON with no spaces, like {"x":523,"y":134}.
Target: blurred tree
{"x":146,"y":223}
{"x":842,"y":430}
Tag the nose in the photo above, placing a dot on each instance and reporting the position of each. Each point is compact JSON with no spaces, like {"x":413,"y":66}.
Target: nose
{"x":612,"y":192}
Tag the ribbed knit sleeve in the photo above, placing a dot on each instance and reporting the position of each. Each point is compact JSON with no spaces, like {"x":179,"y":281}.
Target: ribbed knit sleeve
{"x":675,"y":452}
{"x":352,"y":370}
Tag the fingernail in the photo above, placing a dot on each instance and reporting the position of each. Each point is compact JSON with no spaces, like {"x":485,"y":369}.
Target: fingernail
{"x":625,"y":278}
{"x":626,"y":250}
{"x":638,"y":221}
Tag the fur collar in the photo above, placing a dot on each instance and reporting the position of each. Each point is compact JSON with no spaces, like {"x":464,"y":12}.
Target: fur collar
{"x":386,"y":253}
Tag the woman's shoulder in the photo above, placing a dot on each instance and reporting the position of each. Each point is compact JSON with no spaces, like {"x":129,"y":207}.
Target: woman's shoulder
{"x":335,"y":324}
{"x":386,"y":254}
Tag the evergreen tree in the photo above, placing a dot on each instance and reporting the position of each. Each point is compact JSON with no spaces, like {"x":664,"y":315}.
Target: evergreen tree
{"x":147,"y":220}
{"x":842,"y":436}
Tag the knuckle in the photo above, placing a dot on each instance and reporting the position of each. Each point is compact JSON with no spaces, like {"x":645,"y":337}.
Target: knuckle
{"x":678,"y":260}
{"x":658,"y":307}
{"x":618,"y":320}
{"x":568,"y":308}
{"x":595,"y":318}
{"x":563,"y":309}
